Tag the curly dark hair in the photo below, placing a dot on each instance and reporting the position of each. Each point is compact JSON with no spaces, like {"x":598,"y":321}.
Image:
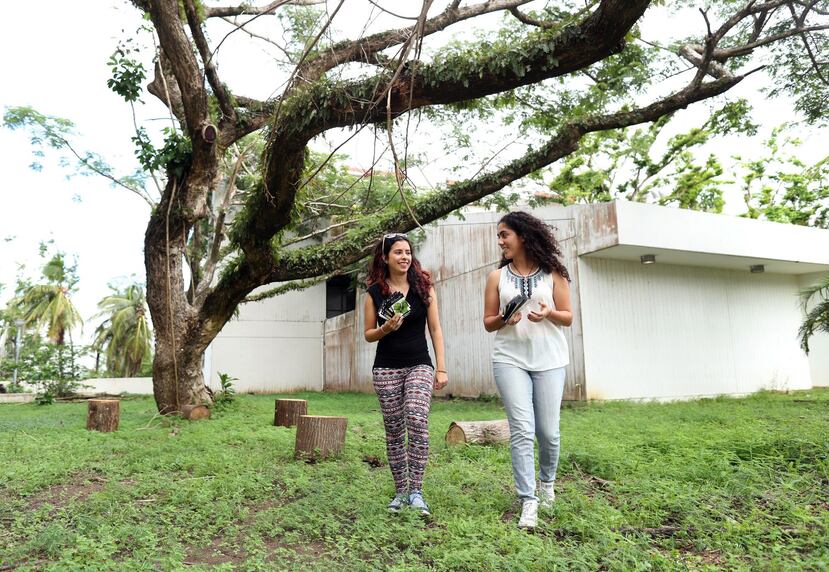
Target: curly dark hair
{"x":541,"y":246}
{"x":378,"y":270}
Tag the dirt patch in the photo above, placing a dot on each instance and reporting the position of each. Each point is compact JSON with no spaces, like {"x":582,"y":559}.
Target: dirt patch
{"x":511,"y":514}
{"x":372,"y":461}
{"x":692,"y":558}
{"x":230,"y":550}
{"x":309,"y":550}
{"x":710,"y":557}
{"x":78,"y":489}
{"x":214,"y":554}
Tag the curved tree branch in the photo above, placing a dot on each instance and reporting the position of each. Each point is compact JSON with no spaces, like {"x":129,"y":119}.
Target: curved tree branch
{"x":177,"y":48}
{"x":364,"y":49}
{"x":309,"y":261}
{"x":246,"y":9}
{"x":544,"y":55}
{"x":222,"y":94}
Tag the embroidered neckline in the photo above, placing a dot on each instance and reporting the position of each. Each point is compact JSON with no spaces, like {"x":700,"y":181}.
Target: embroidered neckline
{"x":525,"y":284}
{"x":514,"y":273}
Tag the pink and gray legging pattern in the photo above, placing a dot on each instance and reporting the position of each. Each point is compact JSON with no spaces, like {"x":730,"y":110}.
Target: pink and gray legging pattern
{"x":405,"y":395}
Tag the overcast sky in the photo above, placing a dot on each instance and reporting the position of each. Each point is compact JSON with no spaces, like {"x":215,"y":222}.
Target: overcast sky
{"x":54,"y":59}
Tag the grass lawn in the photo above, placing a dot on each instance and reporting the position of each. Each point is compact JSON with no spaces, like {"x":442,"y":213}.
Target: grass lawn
{"x":716,"y":484}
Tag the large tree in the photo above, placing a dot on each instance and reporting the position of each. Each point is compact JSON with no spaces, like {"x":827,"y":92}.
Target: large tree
{"x":569,"y":71}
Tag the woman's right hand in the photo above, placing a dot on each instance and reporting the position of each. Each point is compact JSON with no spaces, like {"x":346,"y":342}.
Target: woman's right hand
{"x":514,"y":319}
{"x":393,"y":324}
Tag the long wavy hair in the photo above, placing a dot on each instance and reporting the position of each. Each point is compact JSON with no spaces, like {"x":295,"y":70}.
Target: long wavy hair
{"x":540,"y":244}
{"x":378,"y":270}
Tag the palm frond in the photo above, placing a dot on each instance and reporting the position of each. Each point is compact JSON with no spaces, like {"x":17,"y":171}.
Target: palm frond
{"x":816,"y":320}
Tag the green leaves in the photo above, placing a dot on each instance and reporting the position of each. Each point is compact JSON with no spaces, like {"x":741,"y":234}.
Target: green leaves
{"x":127,"y":72}
{"x":637,"y":164}
{"x":782,"y":188}
{"x":174,"y":155}
{"x":43,"y":129}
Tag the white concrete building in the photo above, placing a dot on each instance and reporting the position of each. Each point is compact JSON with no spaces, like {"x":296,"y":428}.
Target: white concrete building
{"x":697,"y":322}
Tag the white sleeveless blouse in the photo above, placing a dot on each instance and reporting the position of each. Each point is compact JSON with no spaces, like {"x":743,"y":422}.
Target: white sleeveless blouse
{"x":532,"y":346}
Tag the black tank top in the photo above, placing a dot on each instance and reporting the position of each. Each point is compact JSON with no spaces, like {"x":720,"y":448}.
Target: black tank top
{"x":405,"y":347}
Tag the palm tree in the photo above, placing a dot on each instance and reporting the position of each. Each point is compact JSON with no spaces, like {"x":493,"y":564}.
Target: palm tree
{"x":124,"y":337}
{"x":49,"y":306}
{"x":817,"y":318}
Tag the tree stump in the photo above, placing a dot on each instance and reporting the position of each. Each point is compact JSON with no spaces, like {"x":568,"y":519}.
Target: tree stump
{"x":287,"y":411}
{"x":103,"y":415}
{"x":478,"y":432}
{"x":318,"y":436}
{"x":195,"y":412}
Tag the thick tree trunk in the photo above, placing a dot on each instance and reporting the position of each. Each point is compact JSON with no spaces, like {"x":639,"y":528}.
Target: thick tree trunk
{"x":179,"y":343}
{"x":180,"y":381}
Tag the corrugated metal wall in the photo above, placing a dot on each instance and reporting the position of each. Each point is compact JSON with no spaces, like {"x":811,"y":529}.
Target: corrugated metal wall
{"x":460,"y":255}
{"x":672,"y":331}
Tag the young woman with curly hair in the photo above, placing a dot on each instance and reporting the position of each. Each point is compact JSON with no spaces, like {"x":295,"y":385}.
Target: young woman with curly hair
{"x":530,"y":351}
{"x":402,"y":373}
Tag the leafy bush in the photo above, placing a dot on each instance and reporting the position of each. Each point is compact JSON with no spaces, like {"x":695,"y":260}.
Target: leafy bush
{"x":222,"y":399}
{"x":52,"y":368}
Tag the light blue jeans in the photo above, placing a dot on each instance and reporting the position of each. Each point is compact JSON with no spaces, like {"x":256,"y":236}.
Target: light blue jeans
{"x":532,"y":400}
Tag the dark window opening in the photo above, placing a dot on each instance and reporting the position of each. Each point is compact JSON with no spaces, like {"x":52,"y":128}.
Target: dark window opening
{"x":340,"y":296}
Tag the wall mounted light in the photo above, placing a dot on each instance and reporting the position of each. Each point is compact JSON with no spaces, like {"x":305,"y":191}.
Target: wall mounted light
{"x":757,"y":268}
{"x":648,"y":259}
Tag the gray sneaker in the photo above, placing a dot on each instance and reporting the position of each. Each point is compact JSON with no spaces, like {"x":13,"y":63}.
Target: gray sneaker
{"x":416,"y":502}
{"x":529,"y":514}
{"x":546,"y":495}
{"x":399,"y":501}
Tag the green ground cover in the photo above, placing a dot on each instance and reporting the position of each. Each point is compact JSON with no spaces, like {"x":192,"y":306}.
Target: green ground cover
{"x":716,"y":484}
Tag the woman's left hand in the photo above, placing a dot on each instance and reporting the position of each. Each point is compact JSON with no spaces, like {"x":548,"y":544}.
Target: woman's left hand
{"x":542,"y":313}
{"x":441,"y":379}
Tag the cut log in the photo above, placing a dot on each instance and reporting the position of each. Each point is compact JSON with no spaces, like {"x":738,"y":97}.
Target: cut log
{"x":195,"y":412}
{"x":103,"y":415}
{"x":287,"y":411}
{"x":318,"y":436}
{"x":478,"y":432}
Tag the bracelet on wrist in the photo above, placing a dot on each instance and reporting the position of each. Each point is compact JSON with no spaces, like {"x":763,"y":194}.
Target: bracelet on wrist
{"x":440,"y":371}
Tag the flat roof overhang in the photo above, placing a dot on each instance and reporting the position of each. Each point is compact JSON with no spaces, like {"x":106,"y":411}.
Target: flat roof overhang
{"x":624,"y":230}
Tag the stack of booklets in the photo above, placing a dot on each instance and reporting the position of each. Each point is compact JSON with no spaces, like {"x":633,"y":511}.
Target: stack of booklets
{"x":394,"y":304}
{"x":513,"y":306}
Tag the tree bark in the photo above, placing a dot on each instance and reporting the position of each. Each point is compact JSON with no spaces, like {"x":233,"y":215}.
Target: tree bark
{"x":318,"y":437}
{"x":103,"y":415}
{"x":288,"y":411}
{"x":478,"y":432}
{"x":179,"y":347}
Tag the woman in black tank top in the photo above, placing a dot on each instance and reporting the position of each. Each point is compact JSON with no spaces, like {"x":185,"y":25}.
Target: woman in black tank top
{"x":403,"y":374}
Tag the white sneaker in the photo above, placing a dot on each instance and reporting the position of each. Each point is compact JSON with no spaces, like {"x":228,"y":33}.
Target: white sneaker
{"x":546,"y":494}
{"x":529,"y":514}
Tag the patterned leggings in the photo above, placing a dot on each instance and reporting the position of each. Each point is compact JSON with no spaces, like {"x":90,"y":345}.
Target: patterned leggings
{"x":405,"y":396}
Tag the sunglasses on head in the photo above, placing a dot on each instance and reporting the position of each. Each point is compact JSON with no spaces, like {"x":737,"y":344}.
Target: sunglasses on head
{"x":395,"y":236}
